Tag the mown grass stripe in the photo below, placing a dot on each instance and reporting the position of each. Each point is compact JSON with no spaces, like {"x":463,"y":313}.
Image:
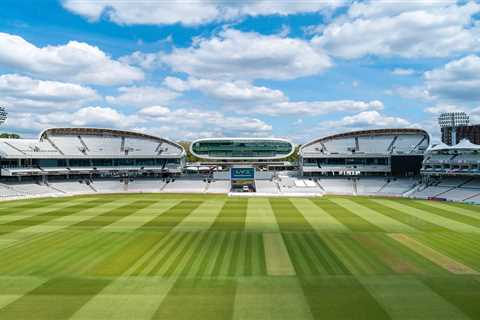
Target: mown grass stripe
{"x":202,"y":217}
{"x":462,"y":292}
{"x":172,"y":217}
{"x":126,"y":299}
{"x":185,"y":266}
{"x":13,"y":288}
{"x":260,"y":216}
{"x":352,"y":221}
{"x":340,"y":297}
{"x":270,"y":298}
{"x":208,"y":254}
{"x":326,"y":255}
{"x":375,"y":218}
{"x":57,"y":298}
{"x":428,"y":216}
{"x":17,"y":225}
{"x":167,"y":253}
{"x":354,"y":256}
{"x":220,"y":260}
{"x":137,"y":268}
{"x":288,"y":217}
{"x":113,"y":215}
{"x":278,"y":261}
{"x":458,"y":208}
{"x":418,"y":301}
{"x":36,"y":251}
{"x":259,"y":265}
{"x":140,"y":217}
{"x":448,"y":214}
{"x":173,"y":261}
{"x":317,"y":217}
{"x":68,"y":263}
{"x":198,"y":299}
{"x":438,"y":258}
{"x":234,"y":261}
{"x":119,"y":261}
{"x":414,"y":221}
{"x":232,"y":216}
{"x":455,"y":246}
{"x":148,"y":264}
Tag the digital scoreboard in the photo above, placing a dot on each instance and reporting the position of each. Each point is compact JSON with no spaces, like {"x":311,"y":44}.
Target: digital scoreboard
{"x":242,"y":173}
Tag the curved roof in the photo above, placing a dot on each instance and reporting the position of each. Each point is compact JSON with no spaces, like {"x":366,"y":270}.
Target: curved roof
{"x":60,"y":143}
{"x":349,"y":142}
{"x":231,"y":148}
{"x":102,"y":132}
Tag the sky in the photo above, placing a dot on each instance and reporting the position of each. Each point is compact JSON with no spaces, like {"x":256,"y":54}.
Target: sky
{"x":254,"y":68}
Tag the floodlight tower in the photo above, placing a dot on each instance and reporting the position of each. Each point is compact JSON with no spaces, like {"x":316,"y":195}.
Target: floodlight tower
{"x":453,"y":120}
{"x":3,"y":115}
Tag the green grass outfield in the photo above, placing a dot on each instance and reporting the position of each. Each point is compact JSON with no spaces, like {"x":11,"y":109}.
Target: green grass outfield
{"x":214,"y":257}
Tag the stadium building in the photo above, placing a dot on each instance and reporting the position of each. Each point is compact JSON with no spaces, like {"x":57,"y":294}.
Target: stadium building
{"x":388,"y":152}
{"x":243,"y":161}
{"x":89,"y":152}
{"x":451,"y":173}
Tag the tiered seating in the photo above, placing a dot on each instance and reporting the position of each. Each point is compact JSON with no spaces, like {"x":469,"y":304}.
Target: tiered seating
{"x":8,"y":192}
{"x":397,"y":187}
{"x":460,"y":194}
{"x":185,"y":186}
{"x":72,"y":187}
{"x":430,"y":192}
{"x":266,"y":186}
{"x":109,"y":186}
{"x":140,"y":185}
{"x":337,"y":185}
{"x":219,"y":186}
{"x":369,"y":185}
{"x":33,"y":189}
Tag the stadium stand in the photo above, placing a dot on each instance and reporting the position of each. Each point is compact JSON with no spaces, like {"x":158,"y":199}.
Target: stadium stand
{"x":71,"y":187}
{"x":218,"y":186}
{"x":267,"y":187}
{"x":185,"y":186}
{"x":334,"y":185}
{"x":146,"y":185}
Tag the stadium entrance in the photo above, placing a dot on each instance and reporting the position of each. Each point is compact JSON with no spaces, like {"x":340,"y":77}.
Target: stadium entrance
{"x":242,"y":179}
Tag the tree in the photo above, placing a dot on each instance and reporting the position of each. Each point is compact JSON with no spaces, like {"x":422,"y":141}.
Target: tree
{"x":9,"y":136}
{"x":190,"y":156}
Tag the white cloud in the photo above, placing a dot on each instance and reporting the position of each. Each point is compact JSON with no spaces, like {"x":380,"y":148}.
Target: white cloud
{"x":368,"y":119}
{"x":174,"y":123}
{"x":141,"y":96}
{"x":247,"y":55}
{"x":227,"y":91}
{"x":192,"y":13}
{"x":414,"y":93}
{"x":409,"y":29}
{"x":403,"y":72}
{"x":20,"y":92}
{"x":437,"y":109}
{"x":458,"y":80}
{"x":315,"y":108}
{"x":74,"y":61}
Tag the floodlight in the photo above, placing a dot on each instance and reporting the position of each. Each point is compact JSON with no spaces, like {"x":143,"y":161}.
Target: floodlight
{"x":453,"y":120}
{"x":3,"y":115}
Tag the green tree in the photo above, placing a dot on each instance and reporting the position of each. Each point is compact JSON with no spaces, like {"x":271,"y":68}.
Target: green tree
{"x":9,"y":136}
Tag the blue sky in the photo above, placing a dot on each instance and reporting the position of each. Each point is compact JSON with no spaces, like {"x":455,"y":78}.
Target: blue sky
{"x":293,"y":69}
